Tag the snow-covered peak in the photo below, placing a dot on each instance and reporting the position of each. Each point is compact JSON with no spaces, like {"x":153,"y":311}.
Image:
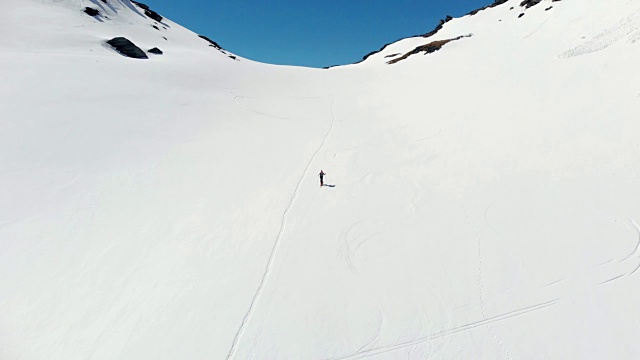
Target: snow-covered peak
{"x":84,"y":27}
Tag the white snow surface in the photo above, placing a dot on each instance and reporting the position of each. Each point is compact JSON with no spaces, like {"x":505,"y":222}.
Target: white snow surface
{"x":486,"y":202}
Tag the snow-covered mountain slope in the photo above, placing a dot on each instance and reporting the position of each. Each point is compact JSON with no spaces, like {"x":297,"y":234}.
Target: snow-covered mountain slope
{"x":63,"y":27}
{"x":548,"y":29}
{"x":484,"y":200}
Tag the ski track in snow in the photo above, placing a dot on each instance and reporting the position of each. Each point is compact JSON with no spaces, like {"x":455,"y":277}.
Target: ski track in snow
{"x":369,"y":349}
{"x":634,"y":255}
{"x":613,"y":263}
{"x":483,"y":309}
{"x":274,"y":250}
{"x":636,"y":252}
{"x":352,"y":243}
{"x":347,"y":240}
{"x":353,"y":250}
{"x":451,"y":331}
{"x":370,"y":345}
{"x":449,"y":321}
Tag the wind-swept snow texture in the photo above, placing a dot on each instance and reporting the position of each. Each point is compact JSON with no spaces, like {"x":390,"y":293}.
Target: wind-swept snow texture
{"x":485,"y":202}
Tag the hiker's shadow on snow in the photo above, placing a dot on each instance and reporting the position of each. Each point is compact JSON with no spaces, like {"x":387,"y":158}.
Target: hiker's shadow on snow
{"x":329,"y":185}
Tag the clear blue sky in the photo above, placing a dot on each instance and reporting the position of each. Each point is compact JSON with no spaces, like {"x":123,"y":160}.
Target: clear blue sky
{"x":307,"y":32}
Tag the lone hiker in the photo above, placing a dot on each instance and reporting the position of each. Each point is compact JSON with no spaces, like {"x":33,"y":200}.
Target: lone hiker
{"x":322,"y":174}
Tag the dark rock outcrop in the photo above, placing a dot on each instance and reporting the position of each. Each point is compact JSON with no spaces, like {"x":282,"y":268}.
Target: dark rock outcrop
{"x":148,"y":12}
{"x":494,"y":4}
{"x":529,"y":3}
{"x":91,"y":11}
{"x":427,"y":48}
{"x":126,"y":48}
{"x":211,"y":42}
{"x":153,"y":15}
{"x":430,"y":33}
{"x":439,"y":27}
{"x":373,"y":53}
{"x":141,"y":5}
{"x":155,"y":51}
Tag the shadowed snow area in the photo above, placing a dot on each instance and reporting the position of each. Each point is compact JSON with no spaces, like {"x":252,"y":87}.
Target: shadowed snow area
{"x":485,"y":199}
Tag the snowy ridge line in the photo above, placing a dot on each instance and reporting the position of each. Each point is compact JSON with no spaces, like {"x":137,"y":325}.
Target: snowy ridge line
{"x":274,"y":250}
{"x":449,"y":332}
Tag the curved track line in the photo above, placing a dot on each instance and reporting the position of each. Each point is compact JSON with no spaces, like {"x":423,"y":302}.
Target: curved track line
{"x":274,"y":250}
{"x":452,"y":331}
{"x":634,"y":255}
{"x":636,"y":250}
{"x":347,"y":240}
{"x":428,"y":338}
{"x":370,"y":345}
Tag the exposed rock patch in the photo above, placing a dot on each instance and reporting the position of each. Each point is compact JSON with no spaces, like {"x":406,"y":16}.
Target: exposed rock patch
{"x":529,"y":3}
{"x":126,"y":48}
{"x":148,"y":12}
{"x":155,"y":51}
{"x":153,"y":15}
{"x":430,"y":33}
{"x":427,"y":48}
{"x":91,"y":11}
{"x":211,"y":42}
{"x":439,"y":27}
{"x":494,"y":4}
{"x":141,"y":5}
